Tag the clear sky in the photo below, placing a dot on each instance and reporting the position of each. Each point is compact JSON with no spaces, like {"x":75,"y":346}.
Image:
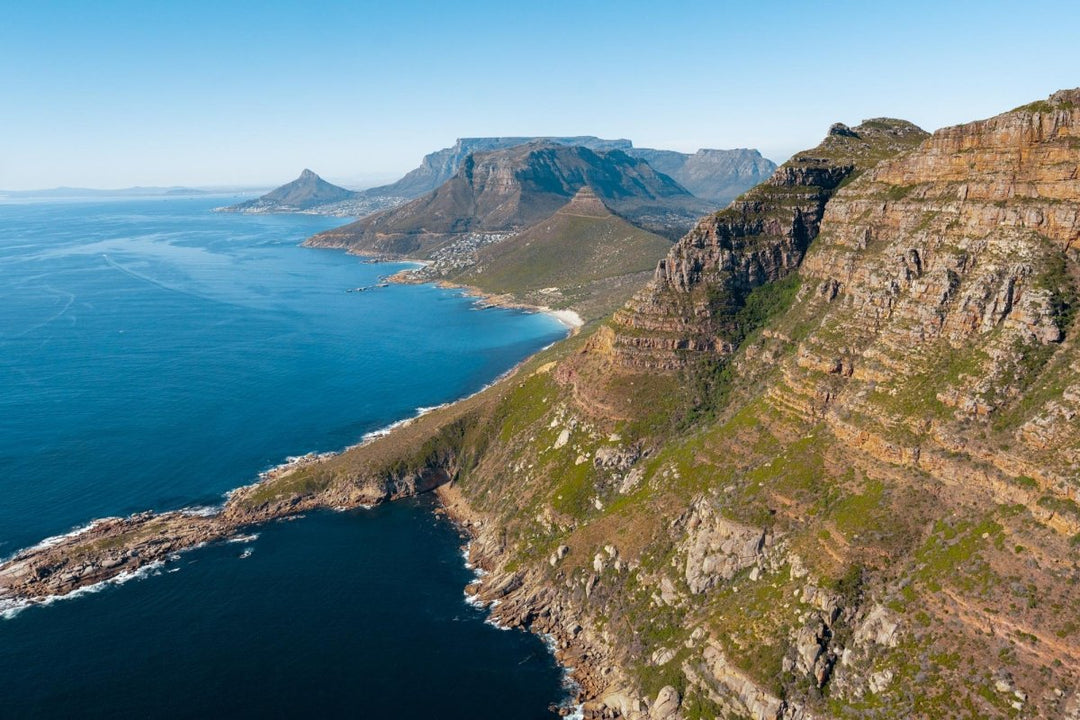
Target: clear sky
{"x":114,"y":94}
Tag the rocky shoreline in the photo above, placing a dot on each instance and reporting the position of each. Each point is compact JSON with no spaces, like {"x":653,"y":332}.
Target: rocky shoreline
{"x":112,"y":550}
{"x":526,"y":601}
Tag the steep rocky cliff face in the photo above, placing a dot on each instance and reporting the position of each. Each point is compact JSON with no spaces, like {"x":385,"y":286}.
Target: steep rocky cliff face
{"x":692,"y":302}
{"x":945,"y":284}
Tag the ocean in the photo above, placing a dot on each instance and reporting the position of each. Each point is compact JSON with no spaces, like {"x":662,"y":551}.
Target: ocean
{"x":154,"y":355}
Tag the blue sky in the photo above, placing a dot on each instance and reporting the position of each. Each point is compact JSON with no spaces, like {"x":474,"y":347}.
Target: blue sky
{"x":113,"y":94}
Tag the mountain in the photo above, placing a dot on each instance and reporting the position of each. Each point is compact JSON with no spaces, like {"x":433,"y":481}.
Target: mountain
{"x":825,"y":464}
{"x":716,"y":175}
{"x":438,"y":167}
{"x":759,"y":239}
{"x":583,"y":256}
{"x":505,"y":191}
{"x":304,"y":193}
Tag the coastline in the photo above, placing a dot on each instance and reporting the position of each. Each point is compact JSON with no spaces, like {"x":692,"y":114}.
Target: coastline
{"x":527,"y":601}
{"x":114,"y":550}
{"x":568,"y":318}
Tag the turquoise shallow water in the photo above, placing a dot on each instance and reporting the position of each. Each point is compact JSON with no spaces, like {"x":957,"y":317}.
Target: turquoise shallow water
{"x":154,"y":355}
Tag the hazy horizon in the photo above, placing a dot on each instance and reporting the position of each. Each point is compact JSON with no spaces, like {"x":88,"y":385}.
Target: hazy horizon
{"x":124,"y":94}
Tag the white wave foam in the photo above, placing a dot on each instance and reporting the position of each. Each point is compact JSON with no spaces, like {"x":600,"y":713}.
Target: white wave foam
{"x":491,"y":620}
{"x":291,"y":462}
{"x":57,"y":539}
{"x":11,"y":608}
{"x":474,"y":601}
{"x":244,"y":538}
{"x":202,"y":510}
{"x":568,"y":683}
{"x":383,"y":431}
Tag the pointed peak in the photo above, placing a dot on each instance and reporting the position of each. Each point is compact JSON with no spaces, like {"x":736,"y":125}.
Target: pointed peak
{"x":308,"y":175}
{"x":586,"y":202}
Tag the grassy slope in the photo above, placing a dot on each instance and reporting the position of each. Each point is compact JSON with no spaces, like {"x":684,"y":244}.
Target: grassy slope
{"x":593,"y":260}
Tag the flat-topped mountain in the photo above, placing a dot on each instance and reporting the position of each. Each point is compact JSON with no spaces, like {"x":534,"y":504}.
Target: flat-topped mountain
{"x":304,"y":193}
{"x":438,"y":167}
{"x":505,"y":191}
{"x":717,"y":175}
{"x":713,"y":175}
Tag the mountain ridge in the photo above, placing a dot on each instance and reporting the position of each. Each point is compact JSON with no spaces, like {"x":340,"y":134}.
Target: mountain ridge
{"x":441,"y":165}
{"x":719,"y":174}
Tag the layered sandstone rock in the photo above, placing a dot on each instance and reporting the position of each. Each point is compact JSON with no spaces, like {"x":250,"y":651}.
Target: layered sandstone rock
{"x":942,"y":287}
{"x":689,"y":307}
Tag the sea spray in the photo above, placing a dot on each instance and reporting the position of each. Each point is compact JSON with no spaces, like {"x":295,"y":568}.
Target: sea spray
{"x":9,"y":609}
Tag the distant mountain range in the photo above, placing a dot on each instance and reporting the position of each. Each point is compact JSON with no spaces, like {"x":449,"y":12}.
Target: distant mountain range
{"x":74,"y":192}
{"x":438,"y":167}
{"x":714,"y":175}
{"x":507,"y":190}
{"x":717,"y":175}
{"x":549,"y":223}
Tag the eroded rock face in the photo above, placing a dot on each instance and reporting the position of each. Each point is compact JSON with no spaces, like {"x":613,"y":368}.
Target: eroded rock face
{"x":951,"y":267}
{"x":666,"y":706}
{"x":688,"y":308}
{"x":717,"y":548}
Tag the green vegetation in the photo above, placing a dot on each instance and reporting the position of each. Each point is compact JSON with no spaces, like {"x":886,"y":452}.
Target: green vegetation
{"x":1060,"y":505}
{"x":898,"y":192}
{"x":1044,"y":106}
{"x":709,"y":379}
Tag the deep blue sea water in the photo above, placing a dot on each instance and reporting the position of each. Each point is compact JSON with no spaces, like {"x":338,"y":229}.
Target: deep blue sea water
{"x":154,"y":355}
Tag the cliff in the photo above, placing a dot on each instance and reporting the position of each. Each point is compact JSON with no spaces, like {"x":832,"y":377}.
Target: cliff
{"x":860,"y":503}
{"x":691,"y":305}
